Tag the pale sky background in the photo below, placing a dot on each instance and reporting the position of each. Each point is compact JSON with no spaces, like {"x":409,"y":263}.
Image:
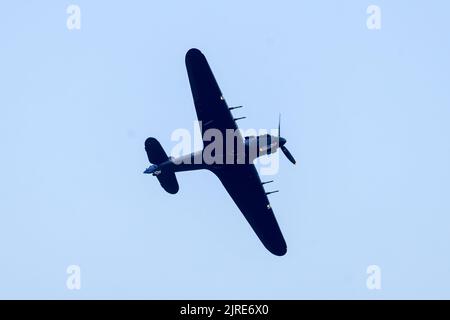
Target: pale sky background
{"x":366,"y":114}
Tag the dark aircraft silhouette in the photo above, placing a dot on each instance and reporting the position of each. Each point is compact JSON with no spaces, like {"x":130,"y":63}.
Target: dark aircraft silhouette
{"x":235,"y":168}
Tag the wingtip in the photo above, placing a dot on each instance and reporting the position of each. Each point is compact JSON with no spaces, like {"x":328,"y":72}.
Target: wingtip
{"x":193,"y":52}
{"x":277,"y":250}
{"x":280,"y":252}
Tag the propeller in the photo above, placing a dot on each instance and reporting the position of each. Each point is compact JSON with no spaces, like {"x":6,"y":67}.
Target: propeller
{"x":282,"y":142}
{"x":288,"y":154}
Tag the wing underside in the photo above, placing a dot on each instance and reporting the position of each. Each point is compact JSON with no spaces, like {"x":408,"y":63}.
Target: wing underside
{"x":244,"y":185}
{"x":240,"y":180}
{"x":210,"y":105}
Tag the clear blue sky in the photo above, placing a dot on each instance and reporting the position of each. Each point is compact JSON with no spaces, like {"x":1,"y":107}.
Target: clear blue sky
{"x":366,"y":114}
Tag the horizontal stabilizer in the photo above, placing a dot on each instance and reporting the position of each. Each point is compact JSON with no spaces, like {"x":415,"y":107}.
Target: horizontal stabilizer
{"x":155,"y":151}
{"x":156,"y":155}
{"x":168,"y":181}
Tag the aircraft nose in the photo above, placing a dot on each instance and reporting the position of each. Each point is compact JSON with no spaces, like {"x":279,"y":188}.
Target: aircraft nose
{"x":282,"y":141}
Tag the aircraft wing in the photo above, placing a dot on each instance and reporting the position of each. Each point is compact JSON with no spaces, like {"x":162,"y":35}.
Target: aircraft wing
{"x":242,"y":180}
{"x":210,"y":105}
{"x":244,"y":185}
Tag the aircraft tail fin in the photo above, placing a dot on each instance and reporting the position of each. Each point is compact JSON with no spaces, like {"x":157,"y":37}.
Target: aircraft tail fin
{"x":156,"y":155}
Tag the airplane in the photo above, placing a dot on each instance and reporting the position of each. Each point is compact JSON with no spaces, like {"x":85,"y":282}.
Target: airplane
{"x":240,"y":178}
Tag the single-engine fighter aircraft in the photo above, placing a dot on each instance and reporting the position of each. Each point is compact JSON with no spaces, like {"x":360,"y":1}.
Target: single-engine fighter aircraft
{"x":238,"y":176}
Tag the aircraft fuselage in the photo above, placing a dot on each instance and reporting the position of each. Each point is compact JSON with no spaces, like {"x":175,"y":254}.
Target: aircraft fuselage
{"x":208,"y":158}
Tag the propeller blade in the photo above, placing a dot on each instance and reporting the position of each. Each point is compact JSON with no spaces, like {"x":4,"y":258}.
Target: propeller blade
{"x":288,"y":154}
{"x":279,"y":126}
